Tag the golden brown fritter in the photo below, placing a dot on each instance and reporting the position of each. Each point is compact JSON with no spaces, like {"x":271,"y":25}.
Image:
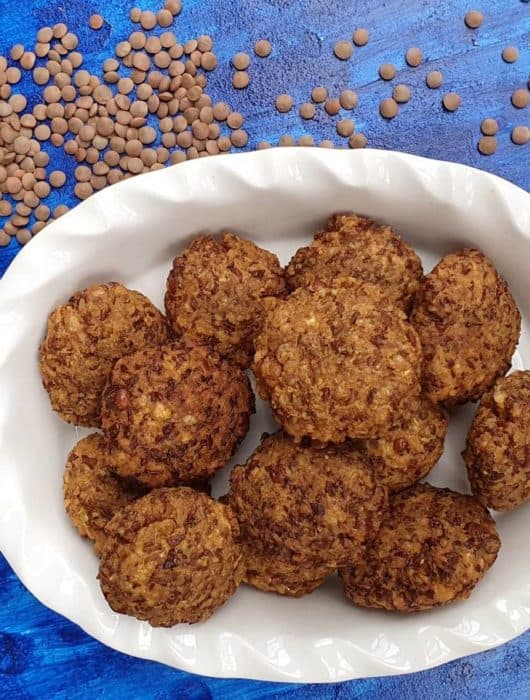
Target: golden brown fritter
{"x":170,"y":557}
{"x":216,"y":290}
{"x":309,"y":506}
{"x":266,"y":572}
{"x":411,"y":448}
{"x":355,"y":246}
{"x":173,"y":414}
{"x":92,"y":493}
{"x":497,"y":450}
{"x":83,"y":340}
{"x":336,"y":363}
{"x":433,"y":548}
{"x":468,"y":325}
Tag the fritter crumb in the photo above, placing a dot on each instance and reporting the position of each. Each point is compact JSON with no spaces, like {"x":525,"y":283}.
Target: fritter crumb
{"x":171,"y":557}
{"x":216,"y":291}
{"x":356,"y":246}
{"x":433,"y":548}
{"x":85,"y":337}
{"x":337,"y":363}
{"x":174,"y":413}
{"x":497,"y":451}
{"x":468,"y":325}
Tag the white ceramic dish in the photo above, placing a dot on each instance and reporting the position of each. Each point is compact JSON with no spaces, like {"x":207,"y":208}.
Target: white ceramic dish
{"x":130,"y":232}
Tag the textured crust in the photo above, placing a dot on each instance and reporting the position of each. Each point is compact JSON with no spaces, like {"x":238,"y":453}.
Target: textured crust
{"x":310,"y":507}
{"x":170,"y":557}
{"x":92,"y":493}
{"x":266,"y":572}
{"x":411,"y":448}
{"x":468,"y":325}
{"x":497,"y":450}
{"x":433,"y":548}
{"x":216,"y":290}
{"x":358,"y":247}
{"x":83,"y":340}
{"x":336,"y":363}
{"x":173,"y":414}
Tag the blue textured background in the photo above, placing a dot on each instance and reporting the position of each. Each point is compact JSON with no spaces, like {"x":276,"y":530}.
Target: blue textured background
{"x":41,"y":654}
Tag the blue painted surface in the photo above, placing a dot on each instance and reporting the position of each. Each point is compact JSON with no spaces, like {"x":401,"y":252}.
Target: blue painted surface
{"x":41,"y":654}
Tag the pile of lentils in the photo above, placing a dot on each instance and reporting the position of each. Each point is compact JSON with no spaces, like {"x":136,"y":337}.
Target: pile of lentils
{"x":151,"y":109}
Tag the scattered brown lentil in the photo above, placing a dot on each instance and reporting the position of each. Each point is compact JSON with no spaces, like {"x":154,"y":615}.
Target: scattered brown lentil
{"x":388,"y":108}
{"x":284,"y":103}
{"x":401,"y":93}
{"x":520,"y":135}
{"x":286,"y":140}
{"x":260,"y":146}
{"x":332,"y":106}
{"x":348,"y":99}
{"x":451,"y":101}
{"x":487,"y":145}
{"x":510,"y":54}
{"x":307,"y":110}
{"x":319,"y":94}
{"x":414,"y":57}
{"x":95,"y":22}
{"x":361,"y":37}
{"x":434,"y":79}
{"x":387,"y":71}
{"x":240,"y":79}
{"x":474,"y":19}
{"x":345,"y":127}
{"x":520,"y":98}
{"x":489,"y":127}
{"x":241,"y":61}
{"x":343,"y":50}
{"x":262,"y":48}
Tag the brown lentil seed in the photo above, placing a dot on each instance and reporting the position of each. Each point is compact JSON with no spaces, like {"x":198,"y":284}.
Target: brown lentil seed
{"x":401,"y":93}
{"x":148,"y":20}
{"x":239,"y":138}
{"x":473,"y":19}
{"x":286,"y":140}
{"x":174,"y":6}
{"x":13,"y":75}
{"x":487,"y":145}
{"x":23,"y":236}
{"x":241,"y":61}
{"x":361,"y":37}
{"x":16,"y":52}
{"x":387,"y":71}
{"x":70,"y":41}
{"x":434,"y":79}
{"x":95,"y":22}
{"x":28,"y":60}
{"x":284,"y":103}
{"x":388,"y":108}
{"x":332,"y":106}
{"x":489,"y":127}
{"x":451,"y":101}
{"x":520,"y":136}
{"x":343,"y":50}
{"x":319,"y":94}
{"x":240,"y":80}
{"x":42,"y":189}
{"x":307,"y":110}
{"x":208,"y":61}
{"x":41,"y":50}
{"x":262,"y":48}
{"x":348,"y":99}
{"x":520,"y":98}
{"x":414,"y":57}
{"x":75,"y":58}
{"x":37,"y":227}
{"x":83,"y":190}
{"x":357,"y":141}
{"x":57,"y":178}
{"x":510,"y":54}
{"x":345,"y":127}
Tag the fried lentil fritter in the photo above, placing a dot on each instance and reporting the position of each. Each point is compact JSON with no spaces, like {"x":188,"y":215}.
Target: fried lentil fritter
{"x":356,"y":246}
{"x":336,"y":363}
{"x":468,"y":325}
{"x":497,"y":451}
{"x":85,"y":337}
{"x":92,"y":493}
{"x":433,"y":548}
{"x":174,"y":413}
{"x":171,"y":557}
{"x":411,"y":448}
{"x":266,"y":572}
{"x":309,"y":506}
{"x":216,"y":291}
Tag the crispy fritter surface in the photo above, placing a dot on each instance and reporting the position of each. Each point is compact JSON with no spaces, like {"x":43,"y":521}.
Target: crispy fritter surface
{"x":433,"y":548}
{"x":266,"y":572}
{"x":85,"y":337}
{"x":174,"y":413}
{"x":497,"y":451}
{"x":171,"y":557}
{"x":411,"y":448}
{"x":336,"y":363}
{"x":355,"y":246}
{"x":468,"y":325}
{"x":92,"y":493}
{"x":307,"y":506}
{"x":216,"y":290}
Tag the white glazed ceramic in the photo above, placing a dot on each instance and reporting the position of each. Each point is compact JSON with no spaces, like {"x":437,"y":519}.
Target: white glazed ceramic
{"x":279,"y":198}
